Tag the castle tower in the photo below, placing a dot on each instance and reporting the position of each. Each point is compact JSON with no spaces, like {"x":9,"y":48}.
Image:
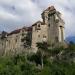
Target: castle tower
{"x":51,"y":30}
{"x":55,"y":25}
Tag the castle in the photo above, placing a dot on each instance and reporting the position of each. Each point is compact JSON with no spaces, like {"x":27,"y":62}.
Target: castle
{"x":50,"y":30}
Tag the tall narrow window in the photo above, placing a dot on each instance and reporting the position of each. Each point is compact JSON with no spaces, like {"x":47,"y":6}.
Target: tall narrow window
{"x":49,"y":15}
{"x":48,"y":25}
{"x":61,"y":28}
{"x":48,"y":18}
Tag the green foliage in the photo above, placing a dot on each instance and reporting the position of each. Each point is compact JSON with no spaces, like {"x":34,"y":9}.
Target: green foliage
{"x":35,"y":58}
{"x":58,"y":69}
{"x":71,"y":46}
{"x":29,"y":65}
{"x":16,"y":65}
{"x":26,"y":40}
{"x":43,"y":45}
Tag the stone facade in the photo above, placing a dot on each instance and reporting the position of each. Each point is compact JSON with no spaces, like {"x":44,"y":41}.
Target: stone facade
{"x":14,"y":41}
{"x":50,"y":30}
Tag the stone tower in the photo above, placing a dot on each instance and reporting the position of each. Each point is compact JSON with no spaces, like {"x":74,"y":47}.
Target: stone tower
{"x":55,"y":25}
{"x":51,"y":30}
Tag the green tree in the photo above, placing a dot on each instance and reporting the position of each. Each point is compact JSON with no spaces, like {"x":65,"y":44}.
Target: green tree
{"x":43,"y":49}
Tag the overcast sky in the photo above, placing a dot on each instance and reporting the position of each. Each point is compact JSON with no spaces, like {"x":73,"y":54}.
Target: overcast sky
{"x":18,"y":13}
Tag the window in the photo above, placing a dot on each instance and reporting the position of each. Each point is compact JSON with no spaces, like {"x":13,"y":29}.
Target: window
{"x":23,"y":34}
{"x":49,"y":15}
{"x":38,"y":25}
{"x":44,"y":36}
{"x":48,"y":18}
{"x":38,"y":35}
{"x":48,"y":25}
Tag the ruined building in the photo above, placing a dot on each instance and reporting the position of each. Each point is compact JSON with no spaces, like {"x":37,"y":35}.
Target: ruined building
{"x":16,"y":40}
{"x":50,"y":30}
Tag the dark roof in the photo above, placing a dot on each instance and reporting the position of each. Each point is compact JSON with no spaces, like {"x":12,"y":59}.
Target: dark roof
{"x":27,"y":28}
{"x":14,"y":32}
{"x":18,"y":30}
{"x":42,"y":23}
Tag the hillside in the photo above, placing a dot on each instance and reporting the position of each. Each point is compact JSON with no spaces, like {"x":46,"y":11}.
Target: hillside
{"x":57,"y":61}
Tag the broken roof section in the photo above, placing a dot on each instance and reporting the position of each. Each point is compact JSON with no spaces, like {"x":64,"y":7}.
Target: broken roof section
{"x":50,"y":8}
{"x":38,"y":22}
{"x":18,"y":30}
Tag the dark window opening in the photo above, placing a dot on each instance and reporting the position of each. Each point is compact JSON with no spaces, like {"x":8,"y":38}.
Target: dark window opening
{"x":38,"y":25}
{"x":44,"y":36}
{"x":48,"y":25}
{"x":38,"y":35}
{"x":48,"y":18}
{"x":60,"y":26}
{"x":23,"y":34}
{"x":49,"y":15}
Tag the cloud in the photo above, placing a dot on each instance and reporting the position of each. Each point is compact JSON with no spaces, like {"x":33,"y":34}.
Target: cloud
{"x":15,"y":14}
{"x":18,"y":13}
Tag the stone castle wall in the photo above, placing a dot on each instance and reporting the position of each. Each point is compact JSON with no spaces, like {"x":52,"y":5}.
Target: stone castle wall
{"x":50,"y":30}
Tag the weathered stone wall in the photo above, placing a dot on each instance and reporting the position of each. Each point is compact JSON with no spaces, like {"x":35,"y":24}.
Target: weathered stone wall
{"x":55,"y":25}
{"x":39,"y":34}
{"x":52,"y":29}
{"x":13,"y":42}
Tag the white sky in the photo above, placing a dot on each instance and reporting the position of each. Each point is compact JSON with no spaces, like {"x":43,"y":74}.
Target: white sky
{"x":18,"y":13}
